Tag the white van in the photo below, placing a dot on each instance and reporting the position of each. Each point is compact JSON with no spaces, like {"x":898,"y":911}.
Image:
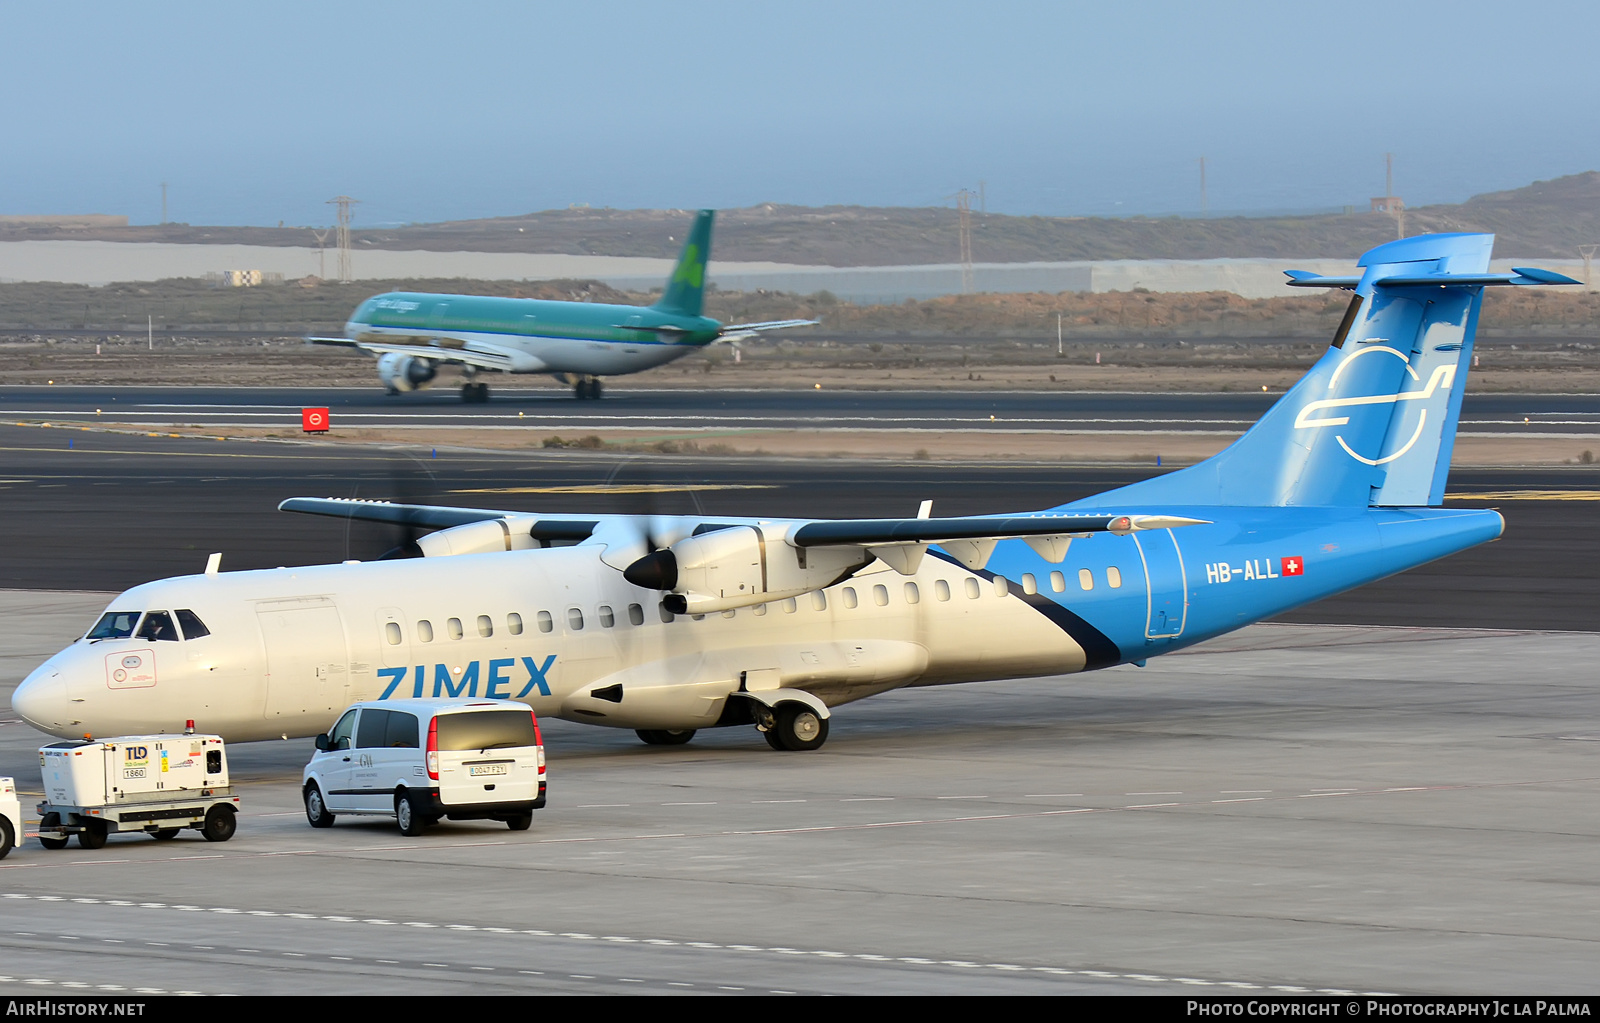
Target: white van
{"x":420,"y":760}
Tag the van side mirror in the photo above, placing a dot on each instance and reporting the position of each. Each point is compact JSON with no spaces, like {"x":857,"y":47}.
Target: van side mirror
{"x":324,"y":744}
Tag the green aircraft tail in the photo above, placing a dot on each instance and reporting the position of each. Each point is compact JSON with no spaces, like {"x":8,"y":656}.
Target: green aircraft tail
{"x":686,"y":287}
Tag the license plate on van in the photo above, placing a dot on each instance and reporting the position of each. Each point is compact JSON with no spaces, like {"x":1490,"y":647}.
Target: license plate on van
{"x":487,"y":769}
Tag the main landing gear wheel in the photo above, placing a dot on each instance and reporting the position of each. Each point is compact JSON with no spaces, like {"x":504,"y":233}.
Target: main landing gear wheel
{"x":665,"y":736}
{"x":589,"y":389}
{"x":797,"y":728}
{"x":474,"y":394}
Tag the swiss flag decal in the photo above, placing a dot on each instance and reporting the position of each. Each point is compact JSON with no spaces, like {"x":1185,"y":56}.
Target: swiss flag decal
{"x":1294,"y":566}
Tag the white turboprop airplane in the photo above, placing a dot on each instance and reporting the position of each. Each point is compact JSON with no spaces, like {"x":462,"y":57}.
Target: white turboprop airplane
{"x":671,"y":624}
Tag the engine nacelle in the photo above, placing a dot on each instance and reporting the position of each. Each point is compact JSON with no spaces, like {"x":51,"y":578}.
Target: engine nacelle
{"x":486,"y":537}
{"x":405,"y":372}
{"x":741,"y":566}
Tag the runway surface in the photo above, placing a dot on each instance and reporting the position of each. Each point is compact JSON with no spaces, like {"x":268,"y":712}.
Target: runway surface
{"x":668,"y":409}
{"x":115,"y":511}
{"x":1293,"y":809}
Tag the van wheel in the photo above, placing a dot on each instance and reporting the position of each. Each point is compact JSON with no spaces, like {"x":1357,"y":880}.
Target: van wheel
{"x":8,"y":838}
{"x":51,"y":820}
{"x":520,"y":822}
{"x":165,"y":834}
{"x":93,"y":836}
{"x":220,"y":824}
{"x":665,"y":736}
{"x":317,"y":814}
{"x":798,"y":728}
{"x":412,"y":822}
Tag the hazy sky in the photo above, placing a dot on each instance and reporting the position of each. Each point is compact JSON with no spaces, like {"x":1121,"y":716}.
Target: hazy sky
{"x":256,"y":113}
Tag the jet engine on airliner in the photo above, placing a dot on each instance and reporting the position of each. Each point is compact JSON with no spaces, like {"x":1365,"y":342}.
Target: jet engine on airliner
{"x":739,"y":566}
{"x":405,"y":372}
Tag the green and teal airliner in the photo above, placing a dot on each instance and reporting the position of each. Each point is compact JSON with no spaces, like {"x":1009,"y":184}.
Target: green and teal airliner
{"x":413,"y":334}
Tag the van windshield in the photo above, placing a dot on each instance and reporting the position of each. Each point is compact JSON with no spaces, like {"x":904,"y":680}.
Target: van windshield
{"x":114,"y":625}
{"x":486,"y":729}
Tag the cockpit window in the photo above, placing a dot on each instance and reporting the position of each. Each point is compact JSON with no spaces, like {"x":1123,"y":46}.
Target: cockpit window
{"x":158,"y":627}
{"x":114,"y":625}
{"x":193,"y":627}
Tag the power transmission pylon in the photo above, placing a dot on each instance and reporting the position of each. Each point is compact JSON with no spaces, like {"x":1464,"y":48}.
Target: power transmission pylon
{"x":322,"y":252}
{"x":344,"y":202}
{"x":963,"y":200}
{"x":1587,"y":252}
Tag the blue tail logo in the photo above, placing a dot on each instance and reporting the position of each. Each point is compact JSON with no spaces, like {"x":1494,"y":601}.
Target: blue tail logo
{"x":1438,"y":383}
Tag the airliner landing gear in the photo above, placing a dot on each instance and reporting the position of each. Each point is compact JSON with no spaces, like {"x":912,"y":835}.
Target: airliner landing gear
{"x":665,"y":737}
{"x":587,"y":388}
{"x":474,"y":394}
{"x":796,"y":728}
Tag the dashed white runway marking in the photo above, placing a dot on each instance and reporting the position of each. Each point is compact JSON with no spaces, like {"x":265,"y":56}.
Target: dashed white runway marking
{"x":668,"y":942}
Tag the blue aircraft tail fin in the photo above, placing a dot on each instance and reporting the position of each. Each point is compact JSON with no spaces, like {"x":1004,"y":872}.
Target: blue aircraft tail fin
{"x":1374,"y":421}
{"x":685,"y":290}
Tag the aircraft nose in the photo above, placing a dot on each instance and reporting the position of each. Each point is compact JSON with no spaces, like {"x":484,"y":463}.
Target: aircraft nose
{"x":41,"y":699}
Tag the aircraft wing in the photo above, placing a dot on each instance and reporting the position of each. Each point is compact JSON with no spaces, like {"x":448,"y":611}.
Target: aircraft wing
{"x":740,"y":331}
{"x":466,"y":353}
{"x":424,"y":515}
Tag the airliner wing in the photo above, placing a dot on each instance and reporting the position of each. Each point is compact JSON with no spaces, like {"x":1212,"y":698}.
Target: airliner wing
{"x":740,"y":331}
{"x":465,"y":353}
{"x":426,"y":516}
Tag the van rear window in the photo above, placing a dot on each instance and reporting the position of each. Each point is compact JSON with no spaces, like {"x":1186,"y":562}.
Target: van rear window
{"x":486,"y":729}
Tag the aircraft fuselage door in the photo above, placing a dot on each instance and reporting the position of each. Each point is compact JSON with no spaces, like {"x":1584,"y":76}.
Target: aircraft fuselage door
{"x":1166,"y":584}
{"x":307,"y":659}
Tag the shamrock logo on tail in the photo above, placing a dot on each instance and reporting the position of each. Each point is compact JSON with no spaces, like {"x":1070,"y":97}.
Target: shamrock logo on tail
{"x":692,"y":271}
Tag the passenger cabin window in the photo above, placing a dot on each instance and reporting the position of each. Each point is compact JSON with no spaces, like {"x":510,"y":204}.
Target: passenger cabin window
{"x":1058,"y":582}
{"x":454,"y":625}
{"x":425,"y":631}
{"x":574,"y":619}
{"x":372,"y":731}
{"x":1001,"y":587}
{"x":1085,"y":578}
{"x":485,"y":626}
{"x":546,"y":623}
{"x":790,"y":605}
{"x":607,"y":618}
{"x":114,"y":625}
{"x":391,"y":632}
{"x":514,"y":624}
{"x":880,"y":595}
{"x":402,"y":731}
{"x":819,"y":600}
{"x":662,"y":613}
{"x":193,"y":627}
{"x":849,"y":595}
{"x":759,"y":610}
{"x":913,"y":595}
{"x":158,"y":627}
{"x":941,"y":589}
{"x":971,"y":586}
{"x":1114,"y":578}
{"x":1029,"y":583}
{"x":635,"y":614}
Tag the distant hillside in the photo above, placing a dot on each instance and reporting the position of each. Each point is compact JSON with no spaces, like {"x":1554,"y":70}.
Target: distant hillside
{"x":1545,"y":219}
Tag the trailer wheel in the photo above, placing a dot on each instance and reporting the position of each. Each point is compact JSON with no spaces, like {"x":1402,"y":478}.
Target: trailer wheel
{"x":220,"y":824}
{"x":93,"y":835}
{"x":165,"y":834}
{"x":48,"y":821}
{"x":8,"y":838}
